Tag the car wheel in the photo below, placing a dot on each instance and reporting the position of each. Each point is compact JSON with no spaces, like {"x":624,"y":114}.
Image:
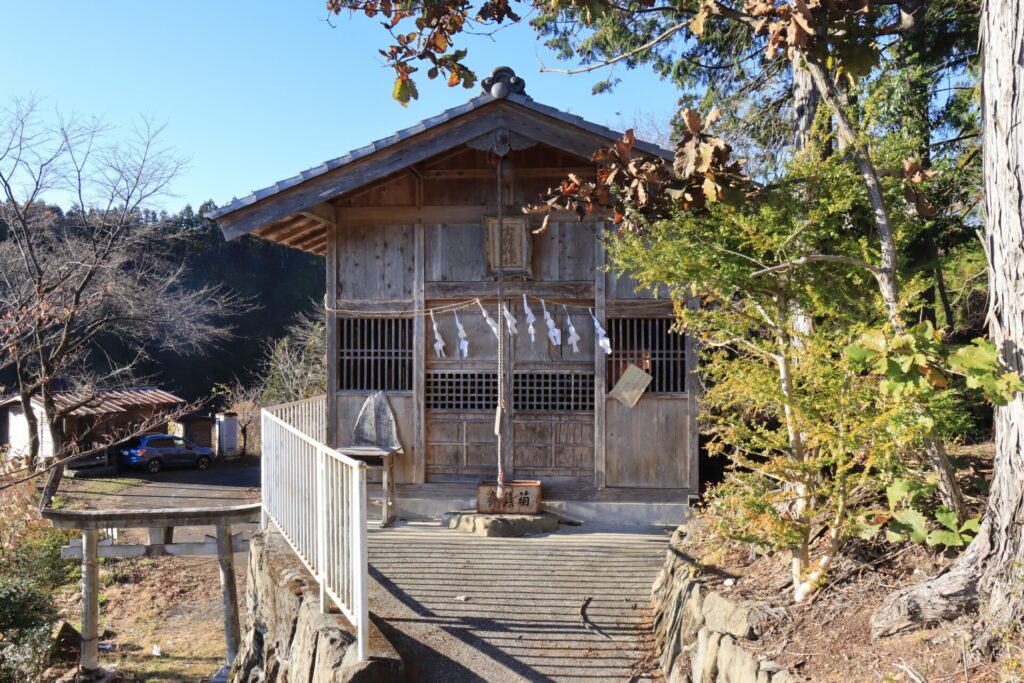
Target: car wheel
{"x":154,"y":465}
{"x":203,"y":463}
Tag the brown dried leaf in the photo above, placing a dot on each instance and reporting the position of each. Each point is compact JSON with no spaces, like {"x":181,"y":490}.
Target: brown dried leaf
{"x":692,"y":120}
{"x":697,"y":23}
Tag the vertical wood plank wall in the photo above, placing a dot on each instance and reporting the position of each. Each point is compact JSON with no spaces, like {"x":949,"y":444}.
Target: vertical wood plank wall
{"x":411,"y":267}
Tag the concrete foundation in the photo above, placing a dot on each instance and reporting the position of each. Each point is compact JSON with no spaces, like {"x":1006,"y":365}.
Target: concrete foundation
{"x":412,"y":507}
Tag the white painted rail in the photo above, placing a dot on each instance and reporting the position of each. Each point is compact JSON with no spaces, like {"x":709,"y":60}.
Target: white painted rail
{"x":308,"y":415}
{"x":316,"y":497}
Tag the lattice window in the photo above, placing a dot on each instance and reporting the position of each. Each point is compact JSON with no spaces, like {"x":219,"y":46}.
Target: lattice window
{"x":649,"y":344}
{"x":553,"y":391}
{"x":375,"y":354}
{"x":462,"y":390}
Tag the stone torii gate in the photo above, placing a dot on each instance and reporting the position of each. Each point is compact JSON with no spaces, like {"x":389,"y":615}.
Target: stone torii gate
{"x":161,"y":523}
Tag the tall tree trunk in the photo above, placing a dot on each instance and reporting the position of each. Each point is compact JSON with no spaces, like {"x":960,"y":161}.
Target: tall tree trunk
{"x":55,"y":423}
{"x":990,"y":573}
{"x":32,"y":423}
{"x":805,"y":105}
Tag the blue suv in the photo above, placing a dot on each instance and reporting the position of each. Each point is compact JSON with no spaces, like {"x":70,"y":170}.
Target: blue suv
{"x":153,"y":452}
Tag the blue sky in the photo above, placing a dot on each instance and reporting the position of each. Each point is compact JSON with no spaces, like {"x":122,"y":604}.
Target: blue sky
{"x":253,"y":92}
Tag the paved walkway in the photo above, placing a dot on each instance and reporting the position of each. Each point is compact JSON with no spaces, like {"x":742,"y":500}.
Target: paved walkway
{"x":467,"y":608}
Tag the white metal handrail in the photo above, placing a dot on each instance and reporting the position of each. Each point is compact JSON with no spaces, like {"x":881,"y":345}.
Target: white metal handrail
{"x":308,"y":415}
{"x":316,"y":497}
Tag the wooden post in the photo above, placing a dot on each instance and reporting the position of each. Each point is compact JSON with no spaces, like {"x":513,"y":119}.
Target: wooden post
{"x":161,"y":535}
{"x":332,"y":332}
{"x":600,"y":477}
{"x":226,"y":559}
{"x":419,"y":362}
{"x":89,"y":659}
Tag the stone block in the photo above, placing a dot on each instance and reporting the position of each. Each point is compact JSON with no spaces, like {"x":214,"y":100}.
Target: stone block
{"x":692,"y":617}
{"x":737,"y":619}
{"x":704,"y":657}
{"x":289,"y":640}
{"x":497,"y":525}
{"x":735,"y":664}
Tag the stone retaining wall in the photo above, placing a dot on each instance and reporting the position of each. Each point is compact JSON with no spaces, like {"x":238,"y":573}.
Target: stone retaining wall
{"x":700,"y":633}
{"x":288,"y":640}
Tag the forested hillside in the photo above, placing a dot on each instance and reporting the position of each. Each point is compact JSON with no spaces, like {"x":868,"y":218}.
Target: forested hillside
{"x":278,"y":282}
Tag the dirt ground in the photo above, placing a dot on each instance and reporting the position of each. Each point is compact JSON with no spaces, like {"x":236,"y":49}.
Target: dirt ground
{"x":170,"y":603}
{"x":828,"y":639}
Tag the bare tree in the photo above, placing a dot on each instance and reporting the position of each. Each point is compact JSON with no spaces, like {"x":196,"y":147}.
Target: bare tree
{"x":296,"y":365}
{"x":73,"y":283}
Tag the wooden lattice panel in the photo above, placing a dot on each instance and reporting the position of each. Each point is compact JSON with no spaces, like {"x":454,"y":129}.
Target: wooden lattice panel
{"x":375,"y":354}
{"x":462,"y":390}
{"x":553,"y":391}
{"x":649,"y":344}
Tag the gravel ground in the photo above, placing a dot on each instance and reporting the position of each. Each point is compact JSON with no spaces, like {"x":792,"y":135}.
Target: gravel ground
{"x":467,"y":608}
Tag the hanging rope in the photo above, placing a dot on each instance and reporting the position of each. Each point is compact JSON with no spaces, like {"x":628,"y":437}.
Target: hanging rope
{"x":459,"y":305}
{"x":499,"y":421}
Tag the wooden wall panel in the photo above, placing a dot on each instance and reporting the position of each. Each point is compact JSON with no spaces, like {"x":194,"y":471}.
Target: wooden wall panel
{"x":542,"y":349}
{"x":554,"y":445}
{"x":624,"y":287}
{"x":454,"y":253}
{"x":563,"y":253}
{"x":349,"y":405}
{"x":460,"y":446}
{"x":483,"y":346}
{"x":376,"y":263}
{"x":648,"y":446}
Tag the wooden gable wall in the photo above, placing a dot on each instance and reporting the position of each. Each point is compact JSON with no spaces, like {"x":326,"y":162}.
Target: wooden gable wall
{"x":416,"y":240}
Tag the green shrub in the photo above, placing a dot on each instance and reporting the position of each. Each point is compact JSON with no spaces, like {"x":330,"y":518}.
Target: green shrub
{"x":26,"y":658}
{"x":37,"y":556}
{"x":24,"y":604}
{"x":27,"y":614}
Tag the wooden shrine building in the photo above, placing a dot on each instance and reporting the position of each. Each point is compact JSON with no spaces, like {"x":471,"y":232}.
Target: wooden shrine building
{"x":408,"y":224}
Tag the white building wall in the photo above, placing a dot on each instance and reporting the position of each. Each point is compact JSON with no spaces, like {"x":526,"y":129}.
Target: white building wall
{"x":17,"y":432}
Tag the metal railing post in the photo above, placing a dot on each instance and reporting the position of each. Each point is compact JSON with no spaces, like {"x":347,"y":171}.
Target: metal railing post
{"x":360,"y":578}
{"x":266,"y":449}
{"x":320,"y":515}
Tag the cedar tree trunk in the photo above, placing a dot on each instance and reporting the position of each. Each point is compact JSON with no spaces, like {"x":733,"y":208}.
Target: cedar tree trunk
{"x":990,"y":574}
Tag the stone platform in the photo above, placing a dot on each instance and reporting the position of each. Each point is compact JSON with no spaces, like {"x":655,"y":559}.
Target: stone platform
{"x":502,"y":526}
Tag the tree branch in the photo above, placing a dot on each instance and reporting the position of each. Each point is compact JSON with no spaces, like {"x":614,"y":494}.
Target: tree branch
{"x":812,"y":258}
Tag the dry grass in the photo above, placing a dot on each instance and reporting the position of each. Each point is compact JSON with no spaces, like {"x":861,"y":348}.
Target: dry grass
{"x":170,"y":602}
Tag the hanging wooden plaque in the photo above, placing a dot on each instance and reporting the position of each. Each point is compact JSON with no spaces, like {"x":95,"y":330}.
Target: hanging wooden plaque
{"x":514,"y":245}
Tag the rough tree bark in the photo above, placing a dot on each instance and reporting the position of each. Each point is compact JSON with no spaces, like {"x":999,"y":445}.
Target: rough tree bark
{"x":990,"y":573}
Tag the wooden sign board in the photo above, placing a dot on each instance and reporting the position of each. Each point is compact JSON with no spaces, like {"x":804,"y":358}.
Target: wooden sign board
{"x":631,"y":386}
{"x":521,"y":497}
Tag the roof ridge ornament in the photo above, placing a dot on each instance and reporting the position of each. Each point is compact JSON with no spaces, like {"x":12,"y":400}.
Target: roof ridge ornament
{"x":502,"y":82}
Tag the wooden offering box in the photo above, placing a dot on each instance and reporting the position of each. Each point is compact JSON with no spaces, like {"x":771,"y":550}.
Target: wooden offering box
{"x":521,"y":497}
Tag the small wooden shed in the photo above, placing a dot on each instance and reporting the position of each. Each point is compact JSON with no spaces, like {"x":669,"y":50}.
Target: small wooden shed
{"x":408,"y":225}
{"x":95,"y":417}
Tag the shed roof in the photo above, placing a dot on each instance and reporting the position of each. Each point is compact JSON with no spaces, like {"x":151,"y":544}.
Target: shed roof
{"x":108,"y":402}
{"x":293,"y":197}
